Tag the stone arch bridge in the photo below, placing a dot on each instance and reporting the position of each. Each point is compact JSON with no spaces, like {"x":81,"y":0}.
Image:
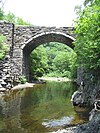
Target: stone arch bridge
{"x":23,"y":39}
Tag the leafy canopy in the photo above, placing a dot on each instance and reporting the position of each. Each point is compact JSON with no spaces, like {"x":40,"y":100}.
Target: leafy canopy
{"x":87,"y":44}
{"x":10,"y":17}
{"x":53,"y":59}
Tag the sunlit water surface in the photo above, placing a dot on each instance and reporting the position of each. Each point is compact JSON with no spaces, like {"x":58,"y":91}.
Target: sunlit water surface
{"x":41,"y":109}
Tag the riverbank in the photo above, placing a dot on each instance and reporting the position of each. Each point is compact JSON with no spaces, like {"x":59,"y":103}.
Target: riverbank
{"x":59,"y":79}
{"x":40,"y":80}
{"x":17,"y":87}
{"x":23,"y":86}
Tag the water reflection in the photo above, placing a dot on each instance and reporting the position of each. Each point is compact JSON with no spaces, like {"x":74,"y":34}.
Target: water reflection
{"x":24,"y":111}
{"x":11,"y":121}
{"x":56,"y":123}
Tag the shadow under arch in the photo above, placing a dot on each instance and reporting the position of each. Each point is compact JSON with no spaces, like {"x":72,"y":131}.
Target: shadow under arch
{"x":39,"y":39}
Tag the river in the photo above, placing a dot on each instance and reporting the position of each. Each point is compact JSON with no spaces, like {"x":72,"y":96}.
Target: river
{"x":41,"y":109}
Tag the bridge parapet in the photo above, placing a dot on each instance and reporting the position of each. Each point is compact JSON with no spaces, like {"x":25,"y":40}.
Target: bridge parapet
{"x":24,"y":33}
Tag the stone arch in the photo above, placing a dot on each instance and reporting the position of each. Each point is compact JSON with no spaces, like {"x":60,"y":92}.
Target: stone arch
{"x":39,"y":39}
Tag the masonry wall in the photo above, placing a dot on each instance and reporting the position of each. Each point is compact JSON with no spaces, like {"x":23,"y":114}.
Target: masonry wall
{"x":7,"y":29}
{"x":19,"y":36}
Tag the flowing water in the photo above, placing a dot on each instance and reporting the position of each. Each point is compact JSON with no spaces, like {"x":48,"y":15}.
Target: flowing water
{"x":41,"y":109}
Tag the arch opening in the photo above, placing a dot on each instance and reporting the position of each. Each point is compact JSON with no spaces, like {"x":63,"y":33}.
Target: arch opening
{"x":34,"y":42}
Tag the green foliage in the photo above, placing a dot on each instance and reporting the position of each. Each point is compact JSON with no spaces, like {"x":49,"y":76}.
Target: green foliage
{"x":87,"y":44}
{"x":22,"y":79}
{"x":10,"y":17}
{"x":3,"y":47}
{"x":38,"y":62}
{"x":20,"y":21}
{"x":86,"y":2}
{"x":1,"y":14}
{"x":53,"y":60}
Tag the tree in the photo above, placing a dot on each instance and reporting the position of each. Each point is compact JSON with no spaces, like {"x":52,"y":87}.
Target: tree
{"x":2,"y":2}
{"x":86,"y":2}
{"x":38,"y":62}
{"x":53,"y":59}
{"x":20,"y":21}
{"x":1,"y":14}
{"x":1,"y":9}
{"x":10,"y":17}
{"x":87,"y":44}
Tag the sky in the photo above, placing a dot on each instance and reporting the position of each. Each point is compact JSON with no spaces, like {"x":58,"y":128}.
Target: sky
{"x":44,"y":12}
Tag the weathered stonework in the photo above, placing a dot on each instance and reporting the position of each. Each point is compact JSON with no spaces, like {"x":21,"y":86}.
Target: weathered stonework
{"x":6,"y":80}
{"x":23,"y":39}
{"x":7,"y":29}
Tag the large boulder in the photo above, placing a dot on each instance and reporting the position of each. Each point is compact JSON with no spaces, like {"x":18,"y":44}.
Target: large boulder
{"x":77,"y":98}
{"x":93,"y":126}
